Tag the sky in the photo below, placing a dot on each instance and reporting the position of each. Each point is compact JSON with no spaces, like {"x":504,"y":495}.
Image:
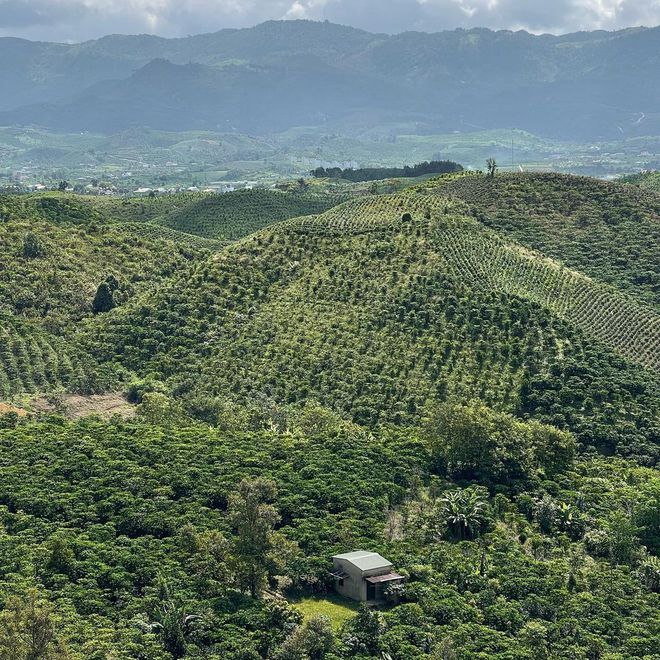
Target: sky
{"x":78,"y":20}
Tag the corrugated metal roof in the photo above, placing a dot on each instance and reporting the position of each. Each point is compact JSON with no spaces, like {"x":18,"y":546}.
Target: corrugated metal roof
{"x":365,"y":561}
{"x":388,"y":577}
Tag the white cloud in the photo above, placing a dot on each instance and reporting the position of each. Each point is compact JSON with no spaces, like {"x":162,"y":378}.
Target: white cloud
{"x":306,"y":9}
{"x":82,"y":19}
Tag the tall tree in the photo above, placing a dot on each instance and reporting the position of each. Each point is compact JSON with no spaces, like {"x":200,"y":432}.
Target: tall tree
{"x":253,"y":517}
{"x":27,"y":630}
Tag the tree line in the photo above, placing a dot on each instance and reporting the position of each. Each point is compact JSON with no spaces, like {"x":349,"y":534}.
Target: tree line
{"x":376,"y":173}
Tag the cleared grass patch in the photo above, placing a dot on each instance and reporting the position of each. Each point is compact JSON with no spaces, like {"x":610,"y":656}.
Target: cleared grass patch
{"x":336,"y":608}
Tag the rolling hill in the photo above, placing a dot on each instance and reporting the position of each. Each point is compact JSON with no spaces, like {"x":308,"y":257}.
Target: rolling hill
{"x":56,"y":251}
{"x":606,"y":230}
{"x":384,"y":304}
{"x":58,"y":248}
{"x":234,"y":215}
{"x":645,"y":180}
{"x":403,"y":372}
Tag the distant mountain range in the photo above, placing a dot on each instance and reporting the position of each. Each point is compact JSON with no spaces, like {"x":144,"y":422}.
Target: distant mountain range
{"x":280,"y":75}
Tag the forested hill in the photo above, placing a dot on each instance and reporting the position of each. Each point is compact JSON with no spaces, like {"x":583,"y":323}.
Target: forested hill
{"x":608,"y":231}
{"x":581,"y":86}
{"x":403,"y":373}
{"x":382,"y":305}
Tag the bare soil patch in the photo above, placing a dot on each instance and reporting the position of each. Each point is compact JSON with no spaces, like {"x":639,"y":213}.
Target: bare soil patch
{"x":77,"y":406}
{"x":6,"y":409}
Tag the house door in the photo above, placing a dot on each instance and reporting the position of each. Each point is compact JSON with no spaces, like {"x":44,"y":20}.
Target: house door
{"x":371,"y":591}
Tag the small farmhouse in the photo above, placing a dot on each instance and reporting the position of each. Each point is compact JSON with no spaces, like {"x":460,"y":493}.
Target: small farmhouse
{"x":363,"y":575}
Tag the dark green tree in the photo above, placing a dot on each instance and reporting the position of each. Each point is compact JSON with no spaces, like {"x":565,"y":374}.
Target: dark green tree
{"x":362,"y":634}
{"x":32,"y":246}
{"x":253,"y":517}
{"x":103,"y":300}
{"x":311,"y":641}
{"x":61,"y":559}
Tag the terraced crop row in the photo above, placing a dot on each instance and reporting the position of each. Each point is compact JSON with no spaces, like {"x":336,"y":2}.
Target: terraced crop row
{"x":603,"y":313}
{"x":375,"y":213}
{"x":606,"y":230}
{"x":182,"y":239}
{"x":30,"y":361}
{"x":233,"y":215}
{"x":474,"y":253}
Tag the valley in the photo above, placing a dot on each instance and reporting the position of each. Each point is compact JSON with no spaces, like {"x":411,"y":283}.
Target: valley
{"x":460,"y":372}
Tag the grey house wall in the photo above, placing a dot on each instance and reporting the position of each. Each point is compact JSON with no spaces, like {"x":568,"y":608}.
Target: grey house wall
{"x":355,"y":585}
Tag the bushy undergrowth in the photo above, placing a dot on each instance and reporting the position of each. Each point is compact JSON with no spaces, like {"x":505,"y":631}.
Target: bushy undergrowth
{"x":388,"y":375}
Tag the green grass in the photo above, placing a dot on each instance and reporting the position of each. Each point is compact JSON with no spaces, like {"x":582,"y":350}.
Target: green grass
{"x":337,"y":609}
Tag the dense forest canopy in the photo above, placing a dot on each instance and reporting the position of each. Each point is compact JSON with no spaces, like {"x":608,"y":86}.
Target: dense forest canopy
{"x":461,"y":375}
{"x":376,"y":173}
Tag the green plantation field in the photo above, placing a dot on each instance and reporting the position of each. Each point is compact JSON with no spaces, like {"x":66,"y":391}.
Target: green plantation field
{"x":231,"y":216}
{"x":154,"y":570}
{"x":50,"y":270}
{"x":51,"y":265}
{"x":382,"y":306}
{"x":461,"y":373}
{"x":31,"y":360}
{"x":608,"y":231}
{"x":183,"y":239}
{"x":646,"y":180}
{"x":223,"y":217}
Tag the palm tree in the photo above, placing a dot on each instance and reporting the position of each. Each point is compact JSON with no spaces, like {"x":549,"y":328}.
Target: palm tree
{"x":173,"y":623}
{"x":649,"y":572}
{"x":465,"y":512}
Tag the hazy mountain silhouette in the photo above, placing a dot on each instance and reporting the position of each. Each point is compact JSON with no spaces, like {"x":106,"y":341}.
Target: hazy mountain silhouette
{"x":280,"y":75}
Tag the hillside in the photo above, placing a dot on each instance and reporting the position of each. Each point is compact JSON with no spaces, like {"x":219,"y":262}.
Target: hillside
{"x":606,"y":230}
{"x":646,"y":180}
{"x":234,"y":215}
{"x":397,"y":372}
{"x":55,"y":252}
{"x":281,"y":75}
{"x":224,"y":217}
{"x":382,"y":305}
{"x":58,"y":248}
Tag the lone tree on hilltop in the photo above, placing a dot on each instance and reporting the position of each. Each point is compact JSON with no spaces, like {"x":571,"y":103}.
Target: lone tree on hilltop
{"x":491,"y":166}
